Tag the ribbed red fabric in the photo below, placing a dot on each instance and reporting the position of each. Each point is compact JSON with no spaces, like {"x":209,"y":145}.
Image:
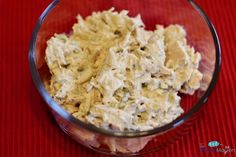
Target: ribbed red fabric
{"x":27,"y":129}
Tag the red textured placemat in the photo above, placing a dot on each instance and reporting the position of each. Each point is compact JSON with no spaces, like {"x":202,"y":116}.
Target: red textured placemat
{"x":27,"y":127}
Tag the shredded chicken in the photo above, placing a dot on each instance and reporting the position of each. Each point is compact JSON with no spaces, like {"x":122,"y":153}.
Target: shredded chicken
{"x":114,"y":74}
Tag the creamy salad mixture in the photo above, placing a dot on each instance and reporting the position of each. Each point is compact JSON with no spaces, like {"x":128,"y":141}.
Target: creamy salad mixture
{"x":114,"y":74}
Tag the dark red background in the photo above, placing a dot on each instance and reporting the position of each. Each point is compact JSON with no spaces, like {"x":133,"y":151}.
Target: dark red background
{"x":28,"y":129}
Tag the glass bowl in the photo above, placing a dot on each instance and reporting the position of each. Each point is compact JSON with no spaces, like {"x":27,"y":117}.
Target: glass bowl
{"x":59,"y":17}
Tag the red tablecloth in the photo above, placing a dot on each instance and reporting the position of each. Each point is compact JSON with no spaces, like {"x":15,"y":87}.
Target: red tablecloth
{"x":27,"y":127}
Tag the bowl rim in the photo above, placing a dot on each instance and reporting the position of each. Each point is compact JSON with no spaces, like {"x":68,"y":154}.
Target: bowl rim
{"x":67,"y":116}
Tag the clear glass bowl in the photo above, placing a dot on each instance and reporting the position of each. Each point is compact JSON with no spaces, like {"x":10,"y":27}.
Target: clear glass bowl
{"x":59,"y":17}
